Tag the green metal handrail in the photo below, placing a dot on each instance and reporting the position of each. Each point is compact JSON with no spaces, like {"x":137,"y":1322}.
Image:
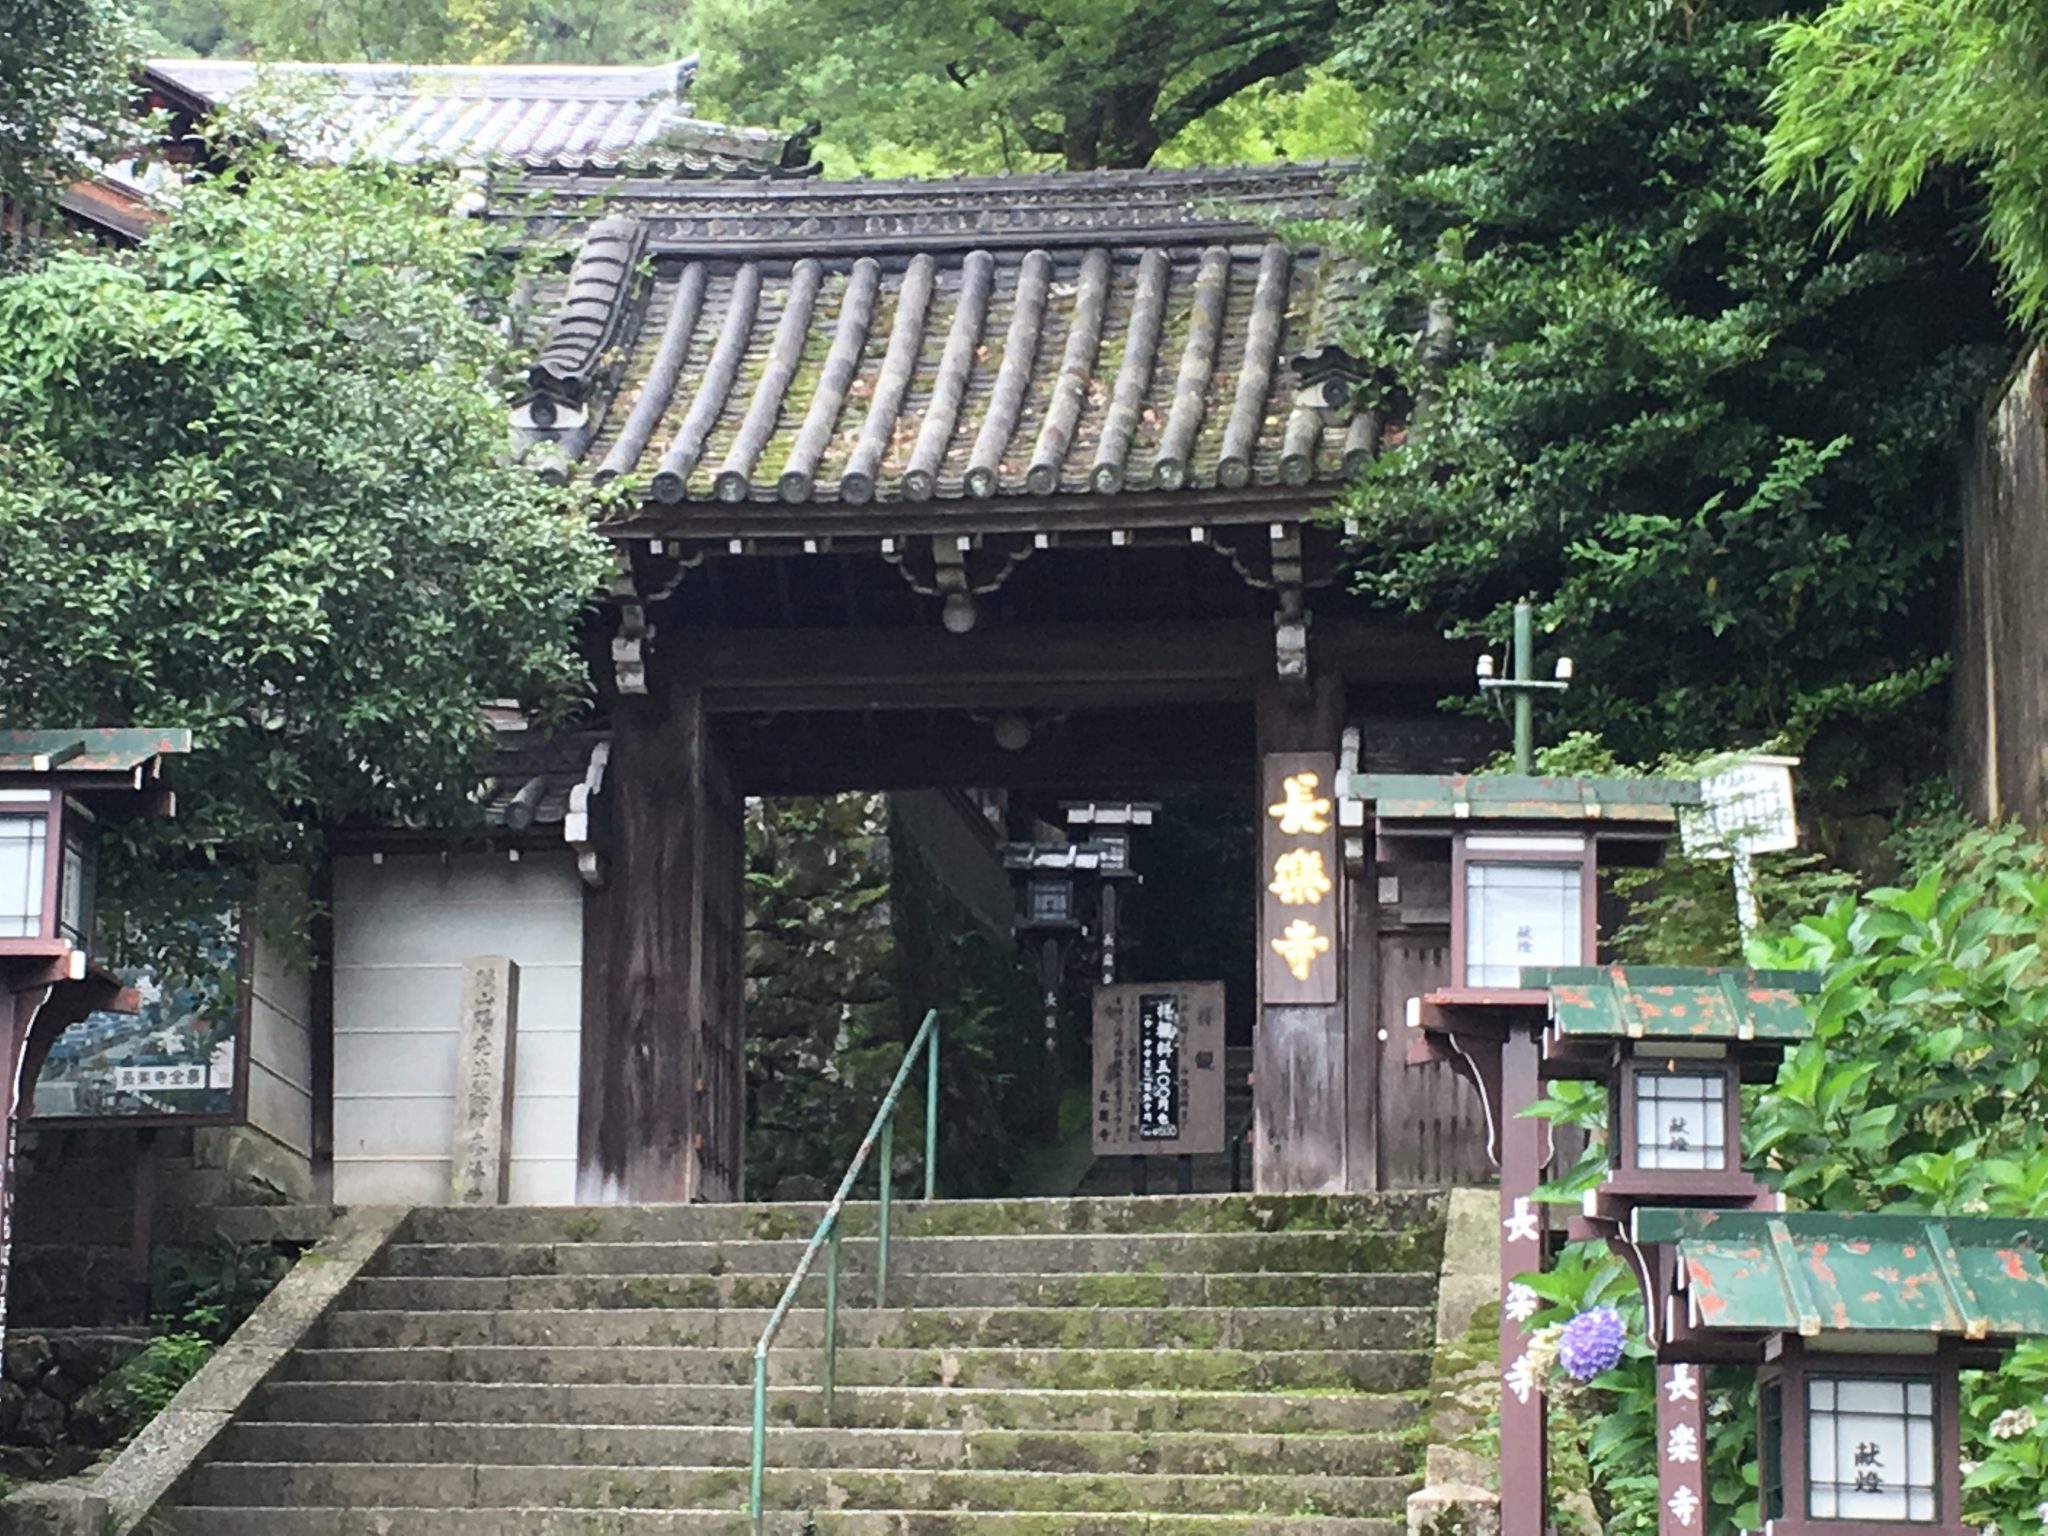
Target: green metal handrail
{"x":827,"y":1237}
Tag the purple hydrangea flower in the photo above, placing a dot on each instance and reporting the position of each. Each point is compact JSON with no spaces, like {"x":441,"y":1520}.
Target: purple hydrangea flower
{"x":1591,"y":1343}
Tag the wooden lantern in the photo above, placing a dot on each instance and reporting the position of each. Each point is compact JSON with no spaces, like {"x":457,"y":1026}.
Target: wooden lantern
{"x":1859,"y":1327}
{"x":1859,"y":1444}
{"x":48,"y":874}
{"x":1520,"y":899}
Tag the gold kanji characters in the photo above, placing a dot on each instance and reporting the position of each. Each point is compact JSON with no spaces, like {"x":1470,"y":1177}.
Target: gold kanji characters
{"x":1299,"y":944}
{"x":1301,"y":811}
{"x":1299,"y":878}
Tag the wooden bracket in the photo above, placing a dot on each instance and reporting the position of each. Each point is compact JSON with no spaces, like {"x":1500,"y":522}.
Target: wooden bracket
{"x":636,"y":586}
{"x":636,"y":635}
{"x":1291,"y":620}
{"x":962,"y":566}
{"x":578,"y":829}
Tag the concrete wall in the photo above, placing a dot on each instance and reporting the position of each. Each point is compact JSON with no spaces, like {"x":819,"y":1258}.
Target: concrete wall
{"x":280,"y":1065}
{"x":402,"y":929}
{"x":1999,"y":740}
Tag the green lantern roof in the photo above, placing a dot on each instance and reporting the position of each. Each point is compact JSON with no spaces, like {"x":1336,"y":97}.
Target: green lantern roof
{"x":1655,"y":1002}
{"x":1521,"y":797}
{"x":94,"y":753}
{"x":1822,"y":1273}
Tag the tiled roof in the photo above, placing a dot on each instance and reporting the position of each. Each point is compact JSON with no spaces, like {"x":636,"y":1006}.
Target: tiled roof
{"x":1655,"y":1002}
{"x":536,"y":117}
{"x":1815,"y":1273}
{"x":1517,"y":797}
{"x":115,"y":753}
{"x":963,"y":341}
{"x":532,"y":775}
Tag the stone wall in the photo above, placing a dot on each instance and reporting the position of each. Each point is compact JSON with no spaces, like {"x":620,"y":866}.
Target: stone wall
{"x":1999,"y":737}
{"x":71,"y":1263}
{"x":58,"y":1407}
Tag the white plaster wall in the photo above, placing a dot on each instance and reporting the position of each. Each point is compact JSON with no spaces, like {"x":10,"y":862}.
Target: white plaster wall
{"x":401,"y":932}
{"x":280,"y":1050}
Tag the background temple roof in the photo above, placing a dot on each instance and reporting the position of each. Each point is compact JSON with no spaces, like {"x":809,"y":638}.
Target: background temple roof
{"x":965,"y":340}
{"x":534,"y":116}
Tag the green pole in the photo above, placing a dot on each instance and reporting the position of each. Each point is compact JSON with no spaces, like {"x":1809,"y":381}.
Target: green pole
{"x":931,"y":1116}
{"x":882,"y":1250}
{"x":1525,"y":699}
{"x":760,"y":1436}
{"x":831,"y":1318}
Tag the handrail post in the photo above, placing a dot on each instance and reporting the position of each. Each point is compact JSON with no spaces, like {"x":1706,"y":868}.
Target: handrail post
{"x":760,"y":1437}
{"x":882,"y":1249}
{"x":831,"y":1318}
{"x":882,"y":1129}
{"x":931,"y":1113}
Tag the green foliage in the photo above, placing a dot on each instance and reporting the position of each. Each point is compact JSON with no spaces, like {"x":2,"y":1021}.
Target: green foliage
{"x":1084,"y":82}
{"x":823,"y":1027}
{"x":64,"y":96}
{"x":1312,"y":114}
{"x":999,"y":1093}
{"x":210,"y":1289}
{"x":423,"y":31}
{"x":146,"y":1384}
{"x":1709,"y":446}
{"x":1933,"y":994}
{"x":850,"y":939}
{"x":1874,"y":97}
{"x":253,"y":481}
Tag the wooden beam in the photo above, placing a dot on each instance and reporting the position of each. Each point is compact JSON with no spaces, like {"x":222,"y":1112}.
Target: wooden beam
{"x":1035,"y":665}
{"x":1053,"y":512}
{"x":1085,"y":751}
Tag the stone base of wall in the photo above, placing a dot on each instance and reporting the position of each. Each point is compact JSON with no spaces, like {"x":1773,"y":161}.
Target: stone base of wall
{"x":58,"y":1410}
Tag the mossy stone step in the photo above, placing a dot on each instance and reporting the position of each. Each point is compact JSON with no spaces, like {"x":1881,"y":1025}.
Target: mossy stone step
{"x":353,"y":1485}
{"x":1118,"y":1214}
{"x":1350,"y":1251}
{"x":1250,"y":1328}
{"x":1025,"y":1450}
{"x":1212,"y":1370}
{"x":275,"y":1520}
{"x":1142,"y":1411}
{"x":763,"y":1290}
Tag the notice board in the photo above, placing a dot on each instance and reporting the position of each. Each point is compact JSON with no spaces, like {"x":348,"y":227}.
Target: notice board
{"x":1159,"y":1069}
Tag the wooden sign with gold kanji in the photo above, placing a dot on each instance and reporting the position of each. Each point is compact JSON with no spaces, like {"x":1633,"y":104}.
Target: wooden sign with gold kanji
{"x":1299,"y":951}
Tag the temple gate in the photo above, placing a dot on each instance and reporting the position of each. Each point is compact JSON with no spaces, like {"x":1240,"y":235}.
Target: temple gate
{"x":1016,"y":481}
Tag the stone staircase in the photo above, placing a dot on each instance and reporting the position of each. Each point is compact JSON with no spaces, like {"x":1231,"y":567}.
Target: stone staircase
{"x":1168,"y":1365}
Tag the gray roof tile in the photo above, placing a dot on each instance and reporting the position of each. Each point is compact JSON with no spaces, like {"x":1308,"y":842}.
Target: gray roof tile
{"x":532,"y":116}
{"x":970,"y":340}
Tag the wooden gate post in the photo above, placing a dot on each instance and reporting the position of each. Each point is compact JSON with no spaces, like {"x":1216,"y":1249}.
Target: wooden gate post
{"x":1524,"y":1463}
{"x":663,"y":1085}
{"x":1299,"y":1078}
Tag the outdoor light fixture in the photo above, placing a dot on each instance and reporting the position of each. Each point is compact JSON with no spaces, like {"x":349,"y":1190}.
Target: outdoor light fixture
{"x":48,"y":871}
{"x":1856,"y":1446}
{"x":1524,"y":900}
{"x":1049,"y":901}
{"x":1682,"y":1116}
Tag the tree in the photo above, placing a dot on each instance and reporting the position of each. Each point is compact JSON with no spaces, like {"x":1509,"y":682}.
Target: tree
{"x":1087,"y":82}
{"x":254,"y":481}
{"x":64,"y":95}
{"x":1874,"y":96}
{"x":1653,"y":398}
{"x":424,"y":31}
